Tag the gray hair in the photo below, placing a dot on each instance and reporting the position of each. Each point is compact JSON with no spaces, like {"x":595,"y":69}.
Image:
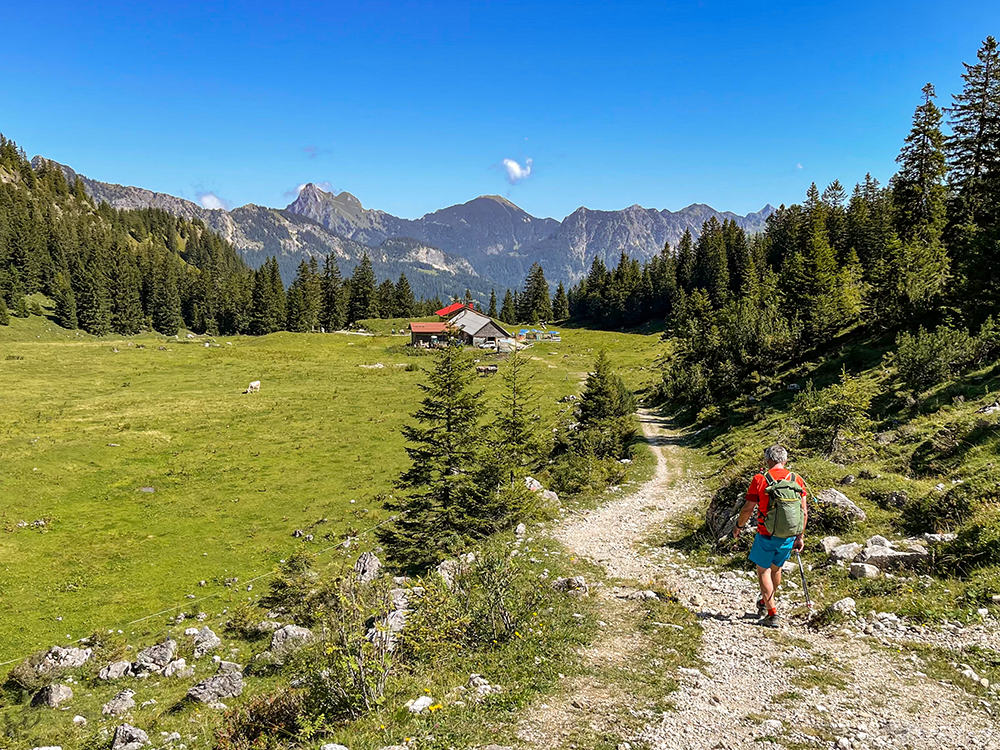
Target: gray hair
{"x":776,"y":454}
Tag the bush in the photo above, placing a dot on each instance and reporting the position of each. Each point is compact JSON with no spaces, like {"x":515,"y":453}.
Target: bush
{"x":927,"y":358}
{"x":988,"y":341}
{"x":264,"y":722}
{"x":295,"y":592}
{"x":835,"y":420}
{"x":828,"y":519}
{"x":977,"y":545}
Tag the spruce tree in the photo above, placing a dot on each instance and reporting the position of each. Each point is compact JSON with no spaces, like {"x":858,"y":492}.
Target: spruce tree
{"x":65,"y":303}
{"x":536,"y":302}
{"x":492,"y":311}
{"x":312,"y":292}
{"x":332,"y":314}
{"x":166,"y":299}
{"x":405,"y":302}
{"x":560,"y":305}
{"x":296,"y":312}
{"x":126,"y":303}
{"x":268,"y":312}
{"x":711,"y":271}
{"x":363,"y":302}
{"x":436,"y":512}
{"x":605,"y":411}
{"x":742,"y":269}
{"x":4,"y":314}
{"x":686,"y":262}
{"x":508,"y":313}
{"x":387,"y":299}
{"x":93,"y":305}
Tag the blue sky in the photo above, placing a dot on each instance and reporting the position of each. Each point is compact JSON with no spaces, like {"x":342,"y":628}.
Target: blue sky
{"x":413,"y":106}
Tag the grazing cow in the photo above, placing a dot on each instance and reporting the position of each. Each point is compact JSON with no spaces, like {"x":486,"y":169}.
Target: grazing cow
{"x":486,"y":370}
{"x":254,"y":387}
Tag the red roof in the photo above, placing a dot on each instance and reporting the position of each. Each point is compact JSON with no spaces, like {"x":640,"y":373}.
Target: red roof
{"x":444,"y":312}
{"x":428,"y":327}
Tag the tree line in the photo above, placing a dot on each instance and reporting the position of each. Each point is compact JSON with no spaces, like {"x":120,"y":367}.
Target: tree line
{"x":886,"y":257}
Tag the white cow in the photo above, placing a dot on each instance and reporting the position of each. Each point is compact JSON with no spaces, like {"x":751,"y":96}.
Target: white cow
{"x":254,"y":387}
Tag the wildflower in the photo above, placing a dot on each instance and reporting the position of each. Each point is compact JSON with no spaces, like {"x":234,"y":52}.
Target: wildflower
{"x":518,"y":634}
{"x":435,"y":707}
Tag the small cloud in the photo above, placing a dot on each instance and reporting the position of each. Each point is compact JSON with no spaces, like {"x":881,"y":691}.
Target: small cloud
{"x":799,"y":166}
{"x":212,"y":201}
{"x":311,"y":151}
{"x":515,"y":172}
{"x":325,"y":185}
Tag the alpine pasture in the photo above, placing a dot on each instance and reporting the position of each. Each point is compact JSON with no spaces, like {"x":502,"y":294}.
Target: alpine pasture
{"x":148,"y":470}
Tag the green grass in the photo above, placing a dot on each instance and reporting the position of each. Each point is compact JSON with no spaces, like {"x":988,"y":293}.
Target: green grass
{"x":84,"y":428}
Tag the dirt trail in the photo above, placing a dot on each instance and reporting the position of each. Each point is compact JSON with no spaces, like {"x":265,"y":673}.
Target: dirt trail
{"x":823,"y":689}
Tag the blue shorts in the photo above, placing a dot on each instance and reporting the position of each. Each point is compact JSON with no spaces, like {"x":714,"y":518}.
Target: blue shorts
{"x":771,"y":551}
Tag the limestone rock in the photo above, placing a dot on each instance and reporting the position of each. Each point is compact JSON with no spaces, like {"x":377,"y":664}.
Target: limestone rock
{"x":575,"y":585}
{"x":847,"y":604}
{"x":830,"y":543}
{"x":52,"y":695}
{"x":229,"y":667}
{"x":420,"y":705}
{"x":288,"y":639}
{"x":845,"y":552}
{"x":367,"y":567}
{"x":63,"y":658}
{"x":840,"y":501}
{"x":332,"y":746}
{"x":887,"y":558}
{"x":178,"y":668}
{"x":116,"y":670}
{"x":155,"y":658}
{"x":128,"y":737}
{"x":532,"y":484}
{"x":205,"y":642}
{"x":449,"y":570}
{"x":119,"y":704}
{"x":216,"y":688}
{"x":863,"y":570}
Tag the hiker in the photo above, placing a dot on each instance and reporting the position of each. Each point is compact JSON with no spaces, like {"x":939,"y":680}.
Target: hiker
{"x":779,"y":496}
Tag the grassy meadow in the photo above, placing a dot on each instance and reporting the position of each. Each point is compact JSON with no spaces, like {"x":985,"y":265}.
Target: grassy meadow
{"x":151,"y":470}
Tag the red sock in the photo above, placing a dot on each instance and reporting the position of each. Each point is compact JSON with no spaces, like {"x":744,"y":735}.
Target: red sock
{"x":772,"y":612}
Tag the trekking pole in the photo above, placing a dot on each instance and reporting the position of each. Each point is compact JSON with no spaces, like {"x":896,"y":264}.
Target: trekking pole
{"x":805,"y":586}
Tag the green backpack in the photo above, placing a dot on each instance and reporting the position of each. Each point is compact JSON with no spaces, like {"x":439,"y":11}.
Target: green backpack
{"x":784,"y":506}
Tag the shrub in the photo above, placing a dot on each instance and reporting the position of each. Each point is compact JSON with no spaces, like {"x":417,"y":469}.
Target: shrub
{"x":835,"y":420}
{"x":828,"y":519}
{"x":296,"y":591}
{"x":939,"y":512}
{"x":264,"y":722}
{"x":988,"y":341}
{"x":977,"y":545}
{"x":927,"y":358}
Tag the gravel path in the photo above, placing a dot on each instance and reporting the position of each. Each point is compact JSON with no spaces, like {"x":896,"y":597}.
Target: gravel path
{"x":760,"y":688}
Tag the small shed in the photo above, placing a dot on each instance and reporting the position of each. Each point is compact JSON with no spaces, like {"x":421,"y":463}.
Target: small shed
{"x":428,"y":334}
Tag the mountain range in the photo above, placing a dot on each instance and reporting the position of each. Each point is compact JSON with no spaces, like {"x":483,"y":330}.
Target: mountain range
{"x":485,"y":243}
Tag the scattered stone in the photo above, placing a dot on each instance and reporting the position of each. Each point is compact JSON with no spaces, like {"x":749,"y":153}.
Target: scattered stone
{"x":267,"y":626}
{"x":119,"y":704}
{"x":772,"y":726}
{"x":191,"y":631}
{"x":52,"y":695}
{"x":863,"y":570}
{"x":367,"y":567}
{"x":887,"y":558}
{"x":550,"y":496}
{"x":643,"y":595}
{"x":420,"y":705}
{"x":80,"y":721}
{"x":229,"y":667}
{"x":298,"y":533}
{"x":171,"y":737}
{"x":845,"y":552}
{"x":155,"y":658}
{"x":63,"y":658}
{"x":847,"y":604}
{"x":837,"y":499}
{"x":331,"y":746}
{"x":288,"y":639}
{"x":128,"y":737}
{"x":205,"y":641}
{"x":521,"y":530}
{"x":215,"y":688}
{"x":178,"y":668}
{"x":849,"y":479}
{"x":449,"y":570}
{"x":116,"y":671}
{"x":830,"y":543}
{"x":894,"y":500}
{"x":934,"y":539}
{"x":481,"y":687}
{"x":532,"y":484}
{"x":147,"y":489}
{"x":575,"y":585}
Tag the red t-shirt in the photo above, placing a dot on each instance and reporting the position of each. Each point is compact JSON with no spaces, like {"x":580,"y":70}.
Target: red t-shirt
{"x":757,"y":494}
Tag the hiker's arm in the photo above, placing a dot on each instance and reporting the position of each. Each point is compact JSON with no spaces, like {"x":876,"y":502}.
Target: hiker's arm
{"x":745,"y":512}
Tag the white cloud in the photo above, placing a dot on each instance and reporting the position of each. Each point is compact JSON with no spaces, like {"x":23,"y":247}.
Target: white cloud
{"x":799,"y":166}
{"x":515,"y":172}
{"x":212,"y":201}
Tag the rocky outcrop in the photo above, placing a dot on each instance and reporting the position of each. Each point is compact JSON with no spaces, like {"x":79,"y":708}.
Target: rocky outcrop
{"x":841,"y":504}
{"x":128,"y":737}
{"x":52,"y":695}
{"x":367,"y":567}
{"x":288,"y":639}
{"x":214,"y":689}
{"x":155,"y":658}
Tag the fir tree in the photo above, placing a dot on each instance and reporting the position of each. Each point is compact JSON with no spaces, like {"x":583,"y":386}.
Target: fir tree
{"x":605,"y":411}
{"x":4,"y":314}
{"x":93,"y":305}
{"x":711,"y":271}
{"x":332,"y":314}
{"x":508,"y":313}
{"x":405,"y":302}
{"x":560,"y":305}
{"x":363,"y":301}
{"x":126,"y":303}
{"x":387,"y":299}
{"x":65,"y":303}
{"x":166,"y":299}
{"x":436,"y":515}
{"x":536,"y":302}
{"x":268,"y":306}
{"x":686,"y":262}
{"x":492,"y":311}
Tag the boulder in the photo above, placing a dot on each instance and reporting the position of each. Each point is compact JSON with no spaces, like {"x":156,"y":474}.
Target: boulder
{"x":575,"y":585}
{"x":532,"y":484}
{"x":216,"y":688}
{"x":847,"y":604}
{"x":521,"y":530}
{"x":205,"y":642}
{"x":863,"y":570}
{"x":58,"y":658}
{"x":449,"y":570}
{"x":830,"y":543}
{"x":128,"y":737}
{"x":887,"y":558}
{"x":420,"y":705}
{"x":155,"y":658}
{"x":877,"y":541}
{"x":550,"y":497}
{"x":119,"y":704}
{"x":116,"y":670}
{"x":288,"y":639}
{"x":229,"y":667}
{"x":845,"y":552}
{"x":52,"y":695}
{"x":837,"y":499}
{"x":935,"y":539}
{"x":367,"y":567}
{"x":178,"y":668}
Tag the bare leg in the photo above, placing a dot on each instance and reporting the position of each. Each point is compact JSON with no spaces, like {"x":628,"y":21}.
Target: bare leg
{"x":775,"y":583}
{"x":765,"y":578}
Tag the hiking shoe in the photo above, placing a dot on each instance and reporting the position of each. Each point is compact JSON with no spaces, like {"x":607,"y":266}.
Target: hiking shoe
{"x":761,"y":609}
{"x":771,"y":621}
